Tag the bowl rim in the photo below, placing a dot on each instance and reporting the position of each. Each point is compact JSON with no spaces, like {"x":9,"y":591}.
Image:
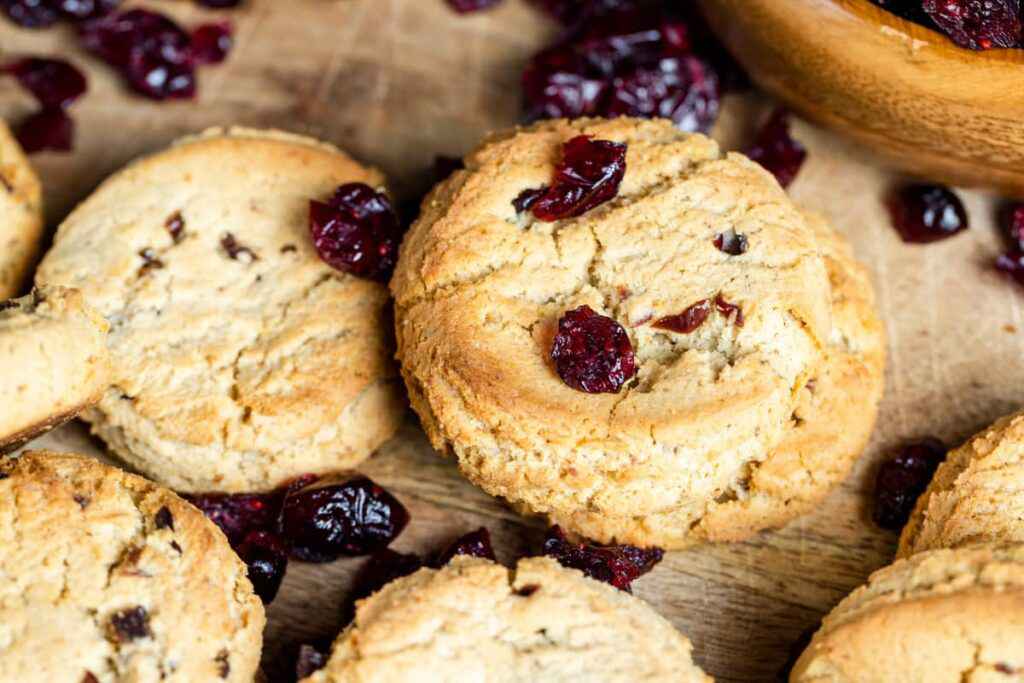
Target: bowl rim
{"x":870,"y":12}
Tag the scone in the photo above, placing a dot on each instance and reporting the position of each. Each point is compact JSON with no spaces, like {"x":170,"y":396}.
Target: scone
{"x":21,"y":215}
{"x":976,"y":495}
{"x":53,"y":351}
{"x":241,"y":358}
{"x":942,"y":616}
{"x":109,"y":578}
{"x":726,"y":428}
{"x":475,"y":620}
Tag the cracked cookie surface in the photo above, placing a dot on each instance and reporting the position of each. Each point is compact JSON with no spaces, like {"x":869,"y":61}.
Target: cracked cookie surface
{"x":476,"y":620}
{"x":53,"y":351}
{"x":976,"y":495}
{"x":241,"y":359}
{"x":942,"y":616}
{"x":21,"y":215}
{"x":673,"y":458}
{"x":110,"y":578}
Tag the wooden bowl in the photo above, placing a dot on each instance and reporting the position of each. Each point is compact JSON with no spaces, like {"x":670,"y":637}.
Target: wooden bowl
{"x":906,"y":92}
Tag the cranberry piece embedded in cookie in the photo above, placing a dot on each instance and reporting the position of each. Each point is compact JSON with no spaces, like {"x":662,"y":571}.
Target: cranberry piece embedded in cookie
{"x":776,"y":150}
{"x":592,"y":352}
{"x":53,"y":82}
{"x":474,"y":544}
{"x":688,"y":321}
{"x":47,"y":129}
{"x":731,"y":242}
{"x":902,"y":479}
{"x":357,"y":231}
{"x":266,"y":556}
{"x":618,"y":565}
{"x":978,"y":24}
{"x":588,"y":175}
{"x":926,"y":213}
{"x":129,"y":624}
{"x":346,"y":515}
{"x":466,"y":6}
{"x":211,"y":43}
{"x":729,"y":310}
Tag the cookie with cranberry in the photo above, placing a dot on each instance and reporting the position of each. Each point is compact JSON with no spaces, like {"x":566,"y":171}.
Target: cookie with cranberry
{"x":622,"y":349}
{"x":242,"y":358}
{"x":941,"y":616}
{"x":53,"y":348}
{"x":475,"y":620}
{"x":108,"y":577}
{"x":975,"y":496}
{"x":21,"y":215}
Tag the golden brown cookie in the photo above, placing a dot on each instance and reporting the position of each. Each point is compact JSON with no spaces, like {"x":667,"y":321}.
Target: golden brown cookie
{"x":475,"y":620}
{"x":241,"y":358}
{"x":720,"y":433}
{"x":108,"y":578}
{"x":942,"y":616}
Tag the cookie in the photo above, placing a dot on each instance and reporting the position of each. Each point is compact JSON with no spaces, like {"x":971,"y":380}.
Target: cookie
{"x":474,"y":620}
{"x":724,"y":430}
{"x":53,"y":351}
{"x":976,"y":495}
{"x":241,"y":359}
{"x":942,"y":616}
{"x":21,"y":215}
{"x":110,"y":578}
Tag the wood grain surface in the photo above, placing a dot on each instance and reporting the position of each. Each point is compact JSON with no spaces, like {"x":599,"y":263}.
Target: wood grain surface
{"x":904,"y":90}
{"x":396,"y":82}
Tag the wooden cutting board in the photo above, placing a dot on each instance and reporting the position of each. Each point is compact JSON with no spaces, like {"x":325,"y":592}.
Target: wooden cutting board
{"x":396,"y":82}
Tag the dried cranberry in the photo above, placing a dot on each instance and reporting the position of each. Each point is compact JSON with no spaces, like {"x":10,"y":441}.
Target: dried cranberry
{"x":465,"y":6}
{"x":731,"y":242}
{"x":31,"y":13}
{"x":341,"y":516}
{"x":688,"y":321}
{"x":558,"y":83}
{"x":570,"y":12}
{"x":592,"y":352}
{"x":618,"y":565}
{"x":240,"y":514}
{"x":357,"y":231}
{"x":908,"y":9}
{"x":1013,"y":219}
{"x":682,"y":88}
{"x":776,"y":150}
{"x":589,"y":175}
{"x":266,"y":556}
{"x":474,"y":544}
{"x":729,"y":310}
{"x":211,"y":43}
{"x":926,"y":213}
{"x":310,"y":660}
{"x":902,"y":479}
{"x":220,"y":4}
{"x":978,"y":24}
{"x":53,"y":82}
{"x":130,"y":624}
{"x":83,"y":10}
{"x":383,"y":567}
{"x":47,"y":129}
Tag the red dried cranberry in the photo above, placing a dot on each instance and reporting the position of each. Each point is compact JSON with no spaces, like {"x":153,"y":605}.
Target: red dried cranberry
{"x":688,"y":321}
{"x":211,"y":43}
{"x":83,"y":10}
{"x":978,"y":24}
{"x":1013,"y":219}
{"x":618,"y":565}
{"x":592,"y":352}
{"x":908,"y":9}
{"x":465,"y":6}
{"x":570,"y":12}
{"x":341,"y":516}
{"x":682,"y":88}
{"x":474,"y":544}
{"x":356,"y":231}
{"x":926,"y":213}
{"x":31,"y":13}
{"x":558,"y":83}
{"x":729,"y":310}
{"x":902,"y":479}
{"x":240,"y":514}
{"x":53,"y":82}
{"x":383,"y":567}
{"x":731,"y":242}
{"x":589,"y":175}
{"x":47,"y":129}
{"x":220,"y":4}
{"x":266,"y":556}
{"x":776,"y":150}
{"x":130,"y":624}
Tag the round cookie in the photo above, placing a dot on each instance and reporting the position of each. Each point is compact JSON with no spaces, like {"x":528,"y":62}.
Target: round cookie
{"x":110,"y":578}
{"x":474,"y":620}
{"x":21,"y":215}
{"x":241,"y":359}
{"x":718,"y":435}
{"x":53,"y":351}
{"x":976,"y":495}
{"x":942,"y":616}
